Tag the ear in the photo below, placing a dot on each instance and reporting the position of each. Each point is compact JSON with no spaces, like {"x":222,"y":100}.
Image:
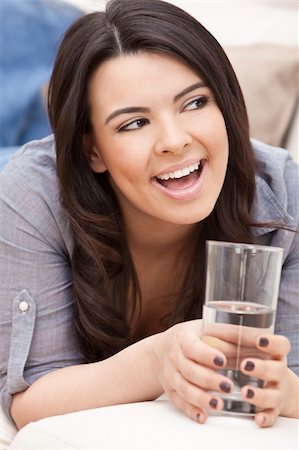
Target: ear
{"x":95,"y":160}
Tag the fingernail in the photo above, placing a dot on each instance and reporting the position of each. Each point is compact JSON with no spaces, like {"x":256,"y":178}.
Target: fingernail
{"x":263,"y":420}
{"x":250,"y":393}
{"x":249,"y":365}
{"x":198,"y":417}
{"x":213,"y":403}
{"x":263,"y":342}
{"x":225,"y":387}
{"x":218,"y":361}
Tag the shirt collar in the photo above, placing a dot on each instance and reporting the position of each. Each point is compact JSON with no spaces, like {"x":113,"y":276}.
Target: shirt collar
{"x":268,"y":207}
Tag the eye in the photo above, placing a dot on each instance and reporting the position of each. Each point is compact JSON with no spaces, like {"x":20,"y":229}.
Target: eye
{"x":133,"y":125}
{"x":197,"y":103}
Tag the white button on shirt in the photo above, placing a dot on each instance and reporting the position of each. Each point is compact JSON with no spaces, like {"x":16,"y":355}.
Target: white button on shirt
{"x":23,"y":306}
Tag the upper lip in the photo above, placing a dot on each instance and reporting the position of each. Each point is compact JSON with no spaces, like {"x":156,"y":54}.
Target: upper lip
{"x":178,"y":166}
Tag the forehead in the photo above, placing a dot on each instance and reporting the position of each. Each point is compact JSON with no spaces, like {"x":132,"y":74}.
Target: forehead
{"x":139,"y":77}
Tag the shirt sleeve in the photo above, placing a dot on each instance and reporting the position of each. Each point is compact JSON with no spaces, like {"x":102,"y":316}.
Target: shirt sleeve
{"x":38,"y":333}
{"x":277,"y":202}
{"x":287,"y":319}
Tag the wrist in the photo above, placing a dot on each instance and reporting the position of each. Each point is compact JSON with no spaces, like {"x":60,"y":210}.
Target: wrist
{"x":152,"y":345}
{"x":291,"y":404}
{"x":157,"y":350}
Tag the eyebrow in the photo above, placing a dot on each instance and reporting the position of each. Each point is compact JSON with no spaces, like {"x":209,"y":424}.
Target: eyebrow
{"x":128,"y":110}
{"x":199,"y":84}
{"x":142,"y":109}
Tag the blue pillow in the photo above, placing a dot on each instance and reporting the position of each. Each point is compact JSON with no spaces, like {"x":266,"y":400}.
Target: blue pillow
{"x":30,"y":33}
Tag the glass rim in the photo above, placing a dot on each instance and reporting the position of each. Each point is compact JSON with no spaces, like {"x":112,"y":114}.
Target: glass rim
{"x":244,"y":245}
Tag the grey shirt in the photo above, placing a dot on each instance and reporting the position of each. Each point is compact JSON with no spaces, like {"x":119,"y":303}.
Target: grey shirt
{"x":37,"y":332}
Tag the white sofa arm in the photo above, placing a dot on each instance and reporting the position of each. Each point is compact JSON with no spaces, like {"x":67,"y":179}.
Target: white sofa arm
{"x":8,"y":431}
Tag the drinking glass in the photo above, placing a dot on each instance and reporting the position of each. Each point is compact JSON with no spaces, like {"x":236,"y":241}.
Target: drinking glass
{"x":242,"y":284}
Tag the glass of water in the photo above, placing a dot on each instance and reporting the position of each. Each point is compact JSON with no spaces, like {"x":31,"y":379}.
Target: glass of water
{"x":242,"y":284}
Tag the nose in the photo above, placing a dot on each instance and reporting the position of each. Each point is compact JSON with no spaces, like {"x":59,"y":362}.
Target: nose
{"x":172,"y":137}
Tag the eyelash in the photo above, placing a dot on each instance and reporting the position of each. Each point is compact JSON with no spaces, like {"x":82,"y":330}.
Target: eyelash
{"x":203,"y":98}
{"x":124,"y":128}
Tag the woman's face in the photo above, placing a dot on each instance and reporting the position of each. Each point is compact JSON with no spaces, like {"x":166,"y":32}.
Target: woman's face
{"x":159,"y":133}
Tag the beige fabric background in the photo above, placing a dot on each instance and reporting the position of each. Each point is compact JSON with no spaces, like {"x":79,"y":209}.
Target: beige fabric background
{"x":268,"y":75}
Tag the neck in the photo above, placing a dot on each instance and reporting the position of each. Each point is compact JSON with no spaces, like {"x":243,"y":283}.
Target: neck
{"x":163,"y":238}
{"x":161,"y":253}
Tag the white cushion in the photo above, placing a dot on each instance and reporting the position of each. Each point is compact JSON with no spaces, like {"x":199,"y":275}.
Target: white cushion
{"x":152,"y":425}
{"x":7,"y":431}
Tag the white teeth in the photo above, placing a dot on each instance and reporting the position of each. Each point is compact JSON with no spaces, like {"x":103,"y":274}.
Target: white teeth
{"x":180,"y":173}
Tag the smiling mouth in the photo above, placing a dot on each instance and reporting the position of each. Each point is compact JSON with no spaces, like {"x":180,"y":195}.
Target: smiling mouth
{"x":181,"y":179}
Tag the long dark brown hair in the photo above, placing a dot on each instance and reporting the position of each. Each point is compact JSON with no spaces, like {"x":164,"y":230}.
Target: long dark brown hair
{"x":104,"y":279}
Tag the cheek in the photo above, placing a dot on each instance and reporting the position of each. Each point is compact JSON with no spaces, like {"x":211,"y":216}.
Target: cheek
{"x":211,"y":130}
{"x":125,"y":162}
{"x":130,"y":151}
{"x":219,"y":139}
{"x":216,"y":143}
{"x":217,"y":129}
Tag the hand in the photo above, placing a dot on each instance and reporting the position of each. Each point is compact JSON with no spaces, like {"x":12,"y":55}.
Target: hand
{"x":280,"y":395}
{"x":186,"y":368}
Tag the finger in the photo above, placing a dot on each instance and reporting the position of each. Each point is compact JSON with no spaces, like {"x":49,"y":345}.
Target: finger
{"x":197,"y":350}
{"x":267,"y":370}
{"x":276,"y":346}
{"x":265,"y":398}
{"x":225,"y":347}
{"x":233,"y":350}
{"x":266,"y":418}
{"x":192,"y":411}
{"x":195,"y":395}
{"x":234,"y":333}
{"x":206,"y":378}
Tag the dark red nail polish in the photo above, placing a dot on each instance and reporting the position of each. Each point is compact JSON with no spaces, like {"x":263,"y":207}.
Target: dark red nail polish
{"x":249,"y":365}
{"x":264,"y":342}
{"x":198,"y":417}
{"x":218,"y":361}
{"x":225,"y":387}
{"x":213,"y":403}
{"x":250,"y":393}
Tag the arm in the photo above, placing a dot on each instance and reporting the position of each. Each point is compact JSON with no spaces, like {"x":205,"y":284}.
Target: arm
{"x":140,"y":372}
{"x":125,"y":377}
{"x":36,"y":305}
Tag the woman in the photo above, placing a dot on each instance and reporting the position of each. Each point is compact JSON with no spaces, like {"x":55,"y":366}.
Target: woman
{"x":103,"y":226}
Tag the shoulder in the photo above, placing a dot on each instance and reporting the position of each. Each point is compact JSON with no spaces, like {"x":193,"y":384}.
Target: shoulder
{"x":274,"y":160}
{"x":30,"y":164}
{"x":277,"y":182}
{"x":29,"y":188}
